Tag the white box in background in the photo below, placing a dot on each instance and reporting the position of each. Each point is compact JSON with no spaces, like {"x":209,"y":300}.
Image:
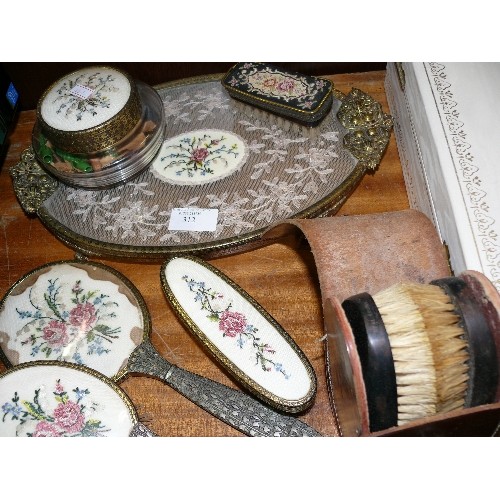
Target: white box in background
{"x":447,"y":129}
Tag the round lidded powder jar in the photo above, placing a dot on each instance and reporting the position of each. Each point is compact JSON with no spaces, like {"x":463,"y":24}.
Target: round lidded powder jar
{"x":97,"y":127}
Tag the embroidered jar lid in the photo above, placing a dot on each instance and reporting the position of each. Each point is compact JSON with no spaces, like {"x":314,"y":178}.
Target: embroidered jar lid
{"x":51,"y":399}
{"x":240,"y":334}
{"x":89,"y":110}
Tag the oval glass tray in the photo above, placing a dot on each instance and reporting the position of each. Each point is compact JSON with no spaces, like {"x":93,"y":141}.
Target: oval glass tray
{"x":283,"y":170}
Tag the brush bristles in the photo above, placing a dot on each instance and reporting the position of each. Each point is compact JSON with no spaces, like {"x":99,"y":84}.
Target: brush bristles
{"x":428,"y":347}
{"x":448,"y":344}
{"x":411,"y":352}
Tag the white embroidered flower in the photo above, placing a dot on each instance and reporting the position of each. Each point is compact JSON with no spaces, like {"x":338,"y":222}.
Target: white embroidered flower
{"x":82,"y":197}
{"x":133,"y":218}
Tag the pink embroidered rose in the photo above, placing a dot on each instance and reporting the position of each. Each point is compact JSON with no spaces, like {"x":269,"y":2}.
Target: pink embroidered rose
{"x":270,"y":82}
{"x":285,"y":85}
{"x":83,"y":316}
{"x":46,"y":429}
{"x":232,"y":323}
{"x":69,"y":416}
{"x":199,"y":154}
{"x":55,"y":334}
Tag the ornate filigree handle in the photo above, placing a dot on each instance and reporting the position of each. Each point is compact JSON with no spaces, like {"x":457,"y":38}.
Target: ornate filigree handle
{"x":140,"y":430}
{"x":369,"y":127}
{"x":229,"y":405}
{"x":32,"y":184}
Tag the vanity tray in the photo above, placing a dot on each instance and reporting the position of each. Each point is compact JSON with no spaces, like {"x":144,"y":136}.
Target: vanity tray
{"x":244,"y":167}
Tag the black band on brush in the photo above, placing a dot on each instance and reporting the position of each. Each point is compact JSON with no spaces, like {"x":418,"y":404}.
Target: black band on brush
{"x":483,"y":363}
{"x":375,"y":355}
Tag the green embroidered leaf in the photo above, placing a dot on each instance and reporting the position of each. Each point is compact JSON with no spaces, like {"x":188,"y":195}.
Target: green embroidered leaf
{"x":33,"y":410}
{"x":93,"y":423}
{"x":61,"y":397}
{"x":102,"y":328}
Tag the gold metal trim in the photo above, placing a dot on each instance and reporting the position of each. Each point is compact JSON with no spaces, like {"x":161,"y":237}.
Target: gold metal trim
{"x":32,"y":184}
{"x":369,"y":127}
{"x":255,"y":388}
{"x":401,"y":75}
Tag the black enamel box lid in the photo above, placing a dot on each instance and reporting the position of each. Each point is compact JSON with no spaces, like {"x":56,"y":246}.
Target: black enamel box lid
{"x":302,"y":98}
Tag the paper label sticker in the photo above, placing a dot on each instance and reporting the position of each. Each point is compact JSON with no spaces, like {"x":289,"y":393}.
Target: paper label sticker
{"x":81,"y":91}
{"x":193,"y":219}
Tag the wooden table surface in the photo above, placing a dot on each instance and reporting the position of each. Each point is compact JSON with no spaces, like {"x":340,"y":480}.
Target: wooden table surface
{"x":293,"y":299}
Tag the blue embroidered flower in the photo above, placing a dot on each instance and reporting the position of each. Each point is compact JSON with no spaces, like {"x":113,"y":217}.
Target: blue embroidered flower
{"x":15,"y":410}
{"x":80,"y":393}
{"x":77,"y":358}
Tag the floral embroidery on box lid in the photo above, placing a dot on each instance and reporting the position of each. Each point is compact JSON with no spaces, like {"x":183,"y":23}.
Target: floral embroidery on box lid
{"x":288,"y":93}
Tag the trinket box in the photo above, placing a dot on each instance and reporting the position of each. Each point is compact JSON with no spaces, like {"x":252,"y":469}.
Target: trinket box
{"x":365,"y":359}
{"x":305,"y":99}
{"x":97,"y":127}
{"x":446,"y":125}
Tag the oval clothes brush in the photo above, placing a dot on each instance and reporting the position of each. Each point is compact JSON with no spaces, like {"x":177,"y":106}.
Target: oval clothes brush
{"x":240,"y":334}
{"x":443,"y":348}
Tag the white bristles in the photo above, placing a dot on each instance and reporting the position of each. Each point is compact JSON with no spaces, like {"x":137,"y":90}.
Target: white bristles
{"x":448,"y":344}
{"x":428,"y":347}
{"x":411,"y":352}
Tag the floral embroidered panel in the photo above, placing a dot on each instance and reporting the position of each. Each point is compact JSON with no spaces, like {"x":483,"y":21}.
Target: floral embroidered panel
{"x":61,"y":401}
{"x":73,"y":312}
{"x":254,"y":347}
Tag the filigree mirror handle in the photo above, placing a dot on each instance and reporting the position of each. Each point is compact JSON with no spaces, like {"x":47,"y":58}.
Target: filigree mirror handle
{"x":231,"y":406}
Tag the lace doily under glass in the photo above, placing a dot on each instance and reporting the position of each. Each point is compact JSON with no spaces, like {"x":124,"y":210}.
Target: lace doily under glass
{"x":288,"y":171}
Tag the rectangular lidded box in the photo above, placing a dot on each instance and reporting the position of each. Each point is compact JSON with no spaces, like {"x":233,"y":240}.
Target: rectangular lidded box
{"x":447,"y":128}
{"x":302,"y":98}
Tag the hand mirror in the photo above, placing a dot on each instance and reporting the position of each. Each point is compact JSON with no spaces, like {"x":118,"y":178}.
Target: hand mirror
{"x":55,"y":399}
{"x":89,"y":314}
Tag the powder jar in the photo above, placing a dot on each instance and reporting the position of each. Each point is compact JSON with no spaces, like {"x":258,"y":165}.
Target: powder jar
{"x":97,"y":127}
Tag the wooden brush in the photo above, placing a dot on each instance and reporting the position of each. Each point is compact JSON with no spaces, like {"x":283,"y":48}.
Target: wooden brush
{"x":424,"y":349}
